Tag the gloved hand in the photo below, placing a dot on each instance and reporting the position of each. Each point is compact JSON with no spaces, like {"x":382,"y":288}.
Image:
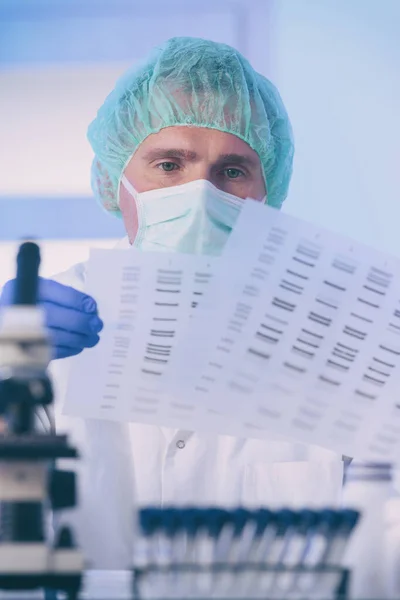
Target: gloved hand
{"x":71,"y":316}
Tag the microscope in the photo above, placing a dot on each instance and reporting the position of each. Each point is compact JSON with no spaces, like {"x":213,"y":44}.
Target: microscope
{"x":33,"y":553}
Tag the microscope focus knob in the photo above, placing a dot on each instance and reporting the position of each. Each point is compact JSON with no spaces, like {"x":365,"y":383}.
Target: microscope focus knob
{"x":65,"y":539}
{"x":62,"y":489}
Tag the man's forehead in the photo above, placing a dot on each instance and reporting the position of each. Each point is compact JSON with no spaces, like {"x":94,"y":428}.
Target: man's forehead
{"x":249,"y":158}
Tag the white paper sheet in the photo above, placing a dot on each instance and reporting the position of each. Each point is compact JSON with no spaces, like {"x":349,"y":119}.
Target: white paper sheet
{"x":146,"y":301}
{"x":297,"y":336}
{"x":303,"y":338}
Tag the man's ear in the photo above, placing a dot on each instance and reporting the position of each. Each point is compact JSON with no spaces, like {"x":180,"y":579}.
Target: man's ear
{"x":128,"y":209}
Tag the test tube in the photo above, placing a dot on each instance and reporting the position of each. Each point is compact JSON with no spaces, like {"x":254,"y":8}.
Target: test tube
{"x":146,"y":552}
{"x":250,"y":536}
{"x":295,"y":551}
{"x":313,"y":560}
{"x":286,"y":522}
{"x":221,"y":553}
{"x":215,"y":525}
{"x":244,"y":529}
{"x":337,"y":542}
{"x":250,"y":577}
{"x":224,"y":542}
{"x":170,"y":526}
{"x":227,"y":579}
{"x":204,"y":551}
{"x":336,"y":547}
{"x":245,"y":535}
{"x":212,"y":525}
{"x":185,"y":552}
{"x":266,"y":533}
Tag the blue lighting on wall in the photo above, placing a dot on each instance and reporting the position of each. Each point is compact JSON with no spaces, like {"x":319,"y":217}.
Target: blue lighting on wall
{"x":52,"y":219}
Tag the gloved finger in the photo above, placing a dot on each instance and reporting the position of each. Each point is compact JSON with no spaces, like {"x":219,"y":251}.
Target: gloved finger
{"x":64,"y":295}
{"x":74,"y":341}
{"x":7,"y":293}
{"x":68,"y":319}
{"x":63,"y":352}
{"x":57,"y":293}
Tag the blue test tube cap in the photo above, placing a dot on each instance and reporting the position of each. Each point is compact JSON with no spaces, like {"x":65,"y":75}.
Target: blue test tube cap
{"x":264,"y":518}
{"x":308,"y":519}
{"x":171,"y":520}
{"x":194,"y":519}
{"x":241,"y":517}
{"x":284,"y":519}
{"x":143,"y":519}
{"x":349,"y":519}
{"x":149,"y":520}
{"x":229,"y":517}
{"x":216,"y":520}
{"x":331,"y":519}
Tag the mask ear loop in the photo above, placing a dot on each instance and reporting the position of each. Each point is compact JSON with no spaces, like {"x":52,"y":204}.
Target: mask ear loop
{"x":128,"y":186}
{"x":265,"y":199}
{"x":139,"y":209}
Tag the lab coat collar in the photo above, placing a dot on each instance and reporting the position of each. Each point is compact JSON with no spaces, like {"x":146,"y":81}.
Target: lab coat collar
{"x":123,"y":244}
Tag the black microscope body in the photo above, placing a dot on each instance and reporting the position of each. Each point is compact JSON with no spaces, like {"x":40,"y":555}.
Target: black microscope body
{"x":32,"y":553}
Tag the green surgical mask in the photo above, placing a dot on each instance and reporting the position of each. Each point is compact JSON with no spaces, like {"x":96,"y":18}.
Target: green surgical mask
{"x":193,"y":218}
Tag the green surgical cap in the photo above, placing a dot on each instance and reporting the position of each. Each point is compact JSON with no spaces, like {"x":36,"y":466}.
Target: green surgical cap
{"x":191,"y":81}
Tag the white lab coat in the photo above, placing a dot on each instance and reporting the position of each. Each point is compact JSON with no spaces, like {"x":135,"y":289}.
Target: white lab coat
{"x":127,"y":465}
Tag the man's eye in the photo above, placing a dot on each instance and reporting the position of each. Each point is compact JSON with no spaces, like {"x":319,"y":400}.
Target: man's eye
{"x":233,"y":173}
{"x":168,"y":166}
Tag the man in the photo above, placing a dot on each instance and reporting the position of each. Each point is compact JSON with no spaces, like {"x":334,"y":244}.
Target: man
{"x":195,"y":111}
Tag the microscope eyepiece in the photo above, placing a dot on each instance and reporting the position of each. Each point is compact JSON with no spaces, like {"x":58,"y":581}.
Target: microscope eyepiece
{"x":28,"y":261}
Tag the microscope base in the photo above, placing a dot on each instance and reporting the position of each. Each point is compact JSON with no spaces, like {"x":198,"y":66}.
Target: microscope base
{"x":32,"y":566}
{"x":70,"y":583}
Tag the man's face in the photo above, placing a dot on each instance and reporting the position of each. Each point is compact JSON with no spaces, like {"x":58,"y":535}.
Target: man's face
{"x":178,"y":155}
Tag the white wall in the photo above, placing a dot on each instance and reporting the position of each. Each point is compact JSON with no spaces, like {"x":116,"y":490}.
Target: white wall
{"x":45,"y":152}
{"x":337,"y":64}
{"x":44,"y":115}
{"x":57,"y":256}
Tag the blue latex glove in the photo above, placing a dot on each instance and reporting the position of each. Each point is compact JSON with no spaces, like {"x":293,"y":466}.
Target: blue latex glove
{"x":71,"y":316}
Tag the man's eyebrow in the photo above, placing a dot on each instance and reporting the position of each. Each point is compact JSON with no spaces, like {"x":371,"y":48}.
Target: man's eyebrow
{"x":238,"y":159}
{"x":160,"y":153}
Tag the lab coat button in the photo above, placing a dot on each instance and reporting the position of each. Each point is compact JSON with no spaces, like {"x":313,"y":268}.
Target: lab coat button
{"x":180,"y":444}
